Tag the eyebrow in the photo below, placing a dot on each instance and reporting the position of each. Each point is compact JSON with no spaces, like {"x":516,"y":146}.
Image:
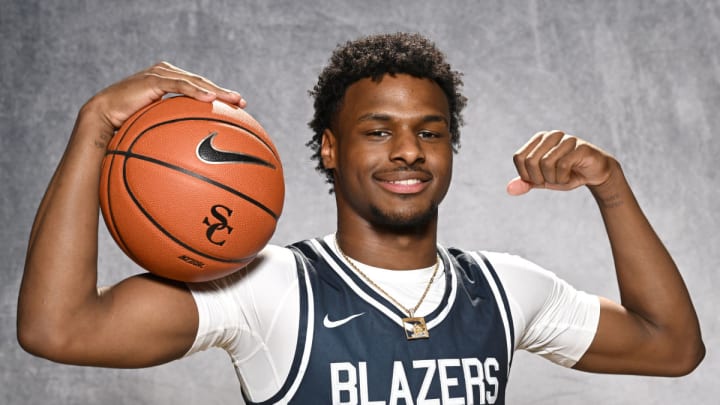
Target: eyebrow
{"x":387,"y":118}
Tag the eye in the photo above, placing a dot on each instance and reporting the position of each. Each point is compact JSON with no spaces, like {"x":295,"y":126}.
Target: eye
{"x":428,"y":135}
{"x":380,"y":133}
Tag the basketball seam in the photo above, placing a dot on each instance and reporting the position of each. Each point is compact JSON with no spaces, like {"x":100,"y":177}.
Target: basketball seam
{"x":129,"y":155}
{"x":113,"y":222}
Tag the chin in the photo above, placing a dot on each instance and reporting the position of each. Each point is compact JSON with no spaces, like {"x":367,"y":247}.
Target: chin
{"x":404,"y":220}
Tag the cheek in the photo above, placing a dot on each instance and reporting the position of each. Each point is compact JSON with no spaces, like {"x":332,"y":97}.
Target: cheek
{"x":359,"y":158}
{"x":350,"y":167}
{"x":444,"y":161}
{"x":444,"y":169}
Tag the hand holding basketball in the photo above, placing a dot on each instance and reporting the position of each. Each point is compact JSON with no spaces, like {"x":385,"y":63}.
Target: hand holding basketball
{"x":557,"y":161}
{"x":114,"y":104}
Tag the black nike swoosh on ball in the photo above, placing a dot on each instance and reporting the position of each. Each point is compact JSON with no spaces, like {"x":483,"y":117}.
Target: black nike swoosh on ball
{"x":209,"y":154}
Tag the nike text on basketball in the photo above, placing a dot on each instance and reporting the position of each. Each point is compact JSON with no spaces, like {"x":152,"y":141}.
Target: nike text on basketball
{"x":190,"y":260}
{"x":221,"y":225}
{"x":461,"y":381}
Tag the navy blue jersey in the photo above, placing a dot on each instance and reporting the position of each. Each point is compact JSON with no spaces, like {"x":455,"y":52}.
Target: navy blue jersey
{"x":352,"y":348}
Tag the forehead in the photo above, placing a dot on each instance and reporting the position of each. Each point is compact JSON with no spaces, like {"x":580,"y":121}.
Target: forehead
{"x":399,"y":96}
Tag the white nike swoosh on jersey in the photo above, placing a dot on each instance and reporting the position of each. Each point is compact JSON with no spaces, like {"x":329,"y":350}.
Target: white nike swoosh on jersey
{"x":334,"y":324}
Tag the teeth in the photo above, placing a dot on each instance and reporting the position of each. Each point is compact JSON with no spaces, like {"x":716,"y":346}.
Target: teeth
{"x":406,"y":182}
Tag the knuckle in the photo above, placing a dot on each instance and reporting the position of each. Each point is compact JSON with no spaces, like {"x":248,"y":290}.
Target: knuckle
{"x":546,"y":164}
{"x":563,"y":165}
{"x":569,"y":139}
{"x":584,"y":147}
{"x":532,"y":160}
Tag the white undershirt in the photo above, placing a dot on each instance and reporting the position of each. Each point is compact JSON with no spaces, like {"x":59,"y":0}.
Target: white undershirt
{"x":253,"y":314}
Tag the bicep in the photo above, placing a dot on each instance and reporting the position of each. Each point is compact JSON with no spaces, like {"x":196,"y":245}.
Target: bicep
{"x":625,"y":343}
{"x":142,"y":321}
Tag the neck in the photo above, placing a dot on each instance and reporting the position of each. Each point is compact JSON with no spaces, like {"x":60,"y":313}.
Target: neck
{"x":395,"y":249}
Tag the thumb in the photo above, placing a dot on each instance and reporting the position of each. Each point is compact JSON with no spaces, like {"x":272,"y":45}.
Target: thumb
{"x":518,"y":186}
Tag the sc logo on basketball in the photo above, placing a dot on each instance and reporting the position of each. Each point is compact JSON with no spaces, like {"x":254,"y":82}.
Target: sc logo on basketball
{"x":220,"y":226}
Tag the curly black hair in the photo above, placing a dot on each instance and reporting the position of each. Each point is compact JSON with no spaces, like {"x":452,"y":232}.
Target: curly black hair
{"x":374,"y":56}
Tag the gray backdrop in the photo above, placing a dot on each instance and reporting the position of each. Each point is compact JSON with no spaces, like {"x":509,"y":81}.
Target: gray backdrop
{"x":639,"y":78}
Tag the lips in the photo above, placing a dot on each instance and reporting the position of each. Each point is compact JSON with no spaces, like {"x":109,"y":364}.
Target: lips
{"x":403,"y":181}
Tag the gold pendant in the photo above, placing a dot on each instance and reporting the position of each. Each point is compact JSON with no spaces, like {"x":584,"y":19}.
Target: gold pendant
{"x":418,"y":329}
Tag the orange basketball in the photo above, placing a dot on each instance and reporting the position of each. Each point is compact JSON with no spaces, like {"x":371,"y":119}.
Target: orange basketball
{"x":190,"y":190}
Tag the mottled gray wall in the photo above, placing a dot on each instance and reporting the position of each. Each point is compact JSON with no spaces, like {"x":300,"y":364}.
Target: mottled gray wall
{"x":639,"y":78}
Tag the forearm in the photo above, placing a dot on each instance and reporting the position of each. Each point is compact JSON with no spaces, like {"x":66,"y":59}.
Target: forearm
{"x":60,"y":269}
{"x":650,"y":284}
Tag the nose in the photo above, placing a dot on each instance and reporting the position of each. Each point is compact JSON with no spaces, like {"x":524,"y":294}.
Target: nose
{"x":407,"y":147}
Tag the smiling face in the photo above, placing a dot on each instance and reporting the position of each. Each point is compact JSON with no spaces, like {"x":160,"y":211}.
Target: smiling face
{"x":390,"y":152}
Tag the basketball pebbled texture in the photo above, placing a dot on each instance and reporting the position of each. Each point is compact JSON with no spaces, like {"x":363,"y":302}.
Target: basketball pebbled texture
{"x":190,"y":190}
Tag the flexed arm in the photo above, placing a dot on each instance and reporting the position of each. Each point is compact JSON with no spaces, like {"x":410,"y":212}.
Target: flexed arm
{"x":654,"y":330}
{"x":61,"y":316}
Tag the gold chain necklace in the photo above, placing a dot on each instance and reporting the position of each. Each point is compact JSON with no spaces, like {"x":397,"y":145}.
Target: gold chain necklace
{"x":414,"y":326}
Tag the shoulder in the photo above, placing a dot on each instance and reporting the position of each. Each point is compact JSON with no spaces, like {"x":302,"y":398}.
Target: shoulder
{"x":275,"y":262}
{"x":527,"y":286}
{"x":274,"y":265}
{"x":513,"y":271}
{"x":525,"y":282}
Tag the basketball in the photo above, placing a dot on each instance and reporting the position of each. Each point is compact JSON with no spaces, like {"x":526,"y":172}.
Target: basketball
{"x":190,"y":190}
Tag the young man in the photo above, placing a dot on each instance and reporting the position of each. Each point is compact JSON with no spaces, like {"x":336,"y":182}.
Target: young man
{"x":378,"y":312}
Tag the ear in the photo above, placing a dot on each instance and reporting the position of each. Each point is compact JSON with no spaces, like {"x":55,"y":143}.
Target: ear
{"x":328,"y":149}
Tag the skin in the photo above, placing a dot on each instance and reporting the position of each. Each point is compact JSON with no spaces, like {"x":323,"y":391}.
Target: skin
{"x":391,"y":155}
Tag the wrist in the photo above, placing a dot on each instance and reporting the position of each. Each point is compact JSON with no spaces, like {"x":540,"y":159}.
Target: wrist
{"x":93,"y":125}
{"x":611,"y":192}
